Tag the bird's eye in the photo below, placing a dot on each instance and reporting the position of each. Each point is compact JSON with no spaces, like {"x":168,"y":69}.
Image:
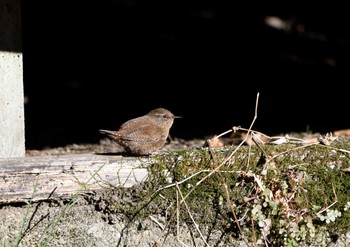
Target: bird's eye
{"x":165,"y":116}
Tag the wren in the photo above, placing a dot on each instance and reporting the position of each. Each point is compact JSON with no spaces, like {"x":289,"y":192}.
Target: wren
{"x":144,"y":135}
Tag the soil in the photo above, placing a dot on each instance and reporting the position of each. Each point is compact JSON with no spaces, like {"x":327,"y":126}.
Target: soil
{"x":86,"y":223}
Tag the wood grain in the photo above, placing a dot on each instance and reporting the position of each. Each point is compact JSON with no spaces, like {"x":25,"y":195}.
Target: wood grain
{"x":63,"y":176}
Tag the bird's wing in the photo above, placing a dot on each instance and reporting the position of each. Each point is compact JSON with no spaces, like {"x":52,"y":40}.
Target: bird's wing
{"x":143,"y":133}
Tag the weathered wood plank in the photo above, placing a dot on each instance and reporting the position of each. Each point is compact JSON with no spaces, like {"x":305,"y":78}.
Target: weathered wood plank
{"x":11,"y":81}
{"x":64,"y":175}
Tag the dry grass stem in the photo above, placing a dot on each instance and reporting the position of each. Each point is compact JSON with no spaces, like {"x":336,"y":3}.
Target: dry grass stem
{"x":190,"y":214}
{"x":157,"y":222}
{"x":325,"y":209}
{"x":272,"y":193}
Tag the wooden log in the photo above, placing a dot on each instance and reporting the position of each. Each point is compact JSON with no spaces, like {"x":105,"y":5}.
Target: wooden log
{"x":39,"y":178}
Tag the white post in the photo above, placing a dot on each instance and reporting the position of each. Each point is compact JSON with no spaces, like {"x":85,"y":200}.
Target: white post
{"x":12,"y":143}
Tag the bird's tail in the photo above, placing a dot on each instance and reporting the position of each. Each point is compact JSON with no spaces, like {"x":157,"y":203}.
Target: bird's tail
{"x":109,"y":133}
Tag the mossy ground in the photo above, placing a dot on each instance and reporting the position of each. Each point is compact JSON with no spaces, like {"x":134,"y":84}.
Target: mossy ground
{"x":275,"y":195}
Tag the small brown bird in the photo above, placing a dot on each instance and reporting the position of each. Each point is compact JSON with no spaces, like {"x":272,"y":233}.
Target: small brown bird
{"x":145,"y":134}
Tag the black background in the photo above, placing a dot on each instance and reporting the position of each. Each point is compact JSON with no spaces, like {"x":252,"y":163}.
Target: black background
{"x":94,"y":64}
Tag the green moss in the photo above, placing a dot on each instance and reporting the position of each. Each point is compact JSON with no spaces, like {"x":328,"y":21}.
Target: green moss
{"x":291,"y":200}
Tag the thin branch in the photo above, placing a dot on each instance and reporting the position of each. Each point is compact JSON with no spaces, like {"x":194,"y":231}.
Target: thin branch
{"x":325,"y":209}
{"x":189,"y":213}
{"x":224,"y":133}
{"x":177,"y":216}
{"x":230,"y":156}
{"x":234,"y":214}
{"x":253,"y":229}
{"x":188,"y":178}
{"x":157,"y":222}
{"x":216,"y":169}
{"x":289,"y":150}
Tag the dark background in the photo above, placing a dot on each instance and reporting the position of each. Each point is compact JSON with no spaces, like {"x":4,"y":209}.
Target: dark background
{"x":94,"y":64}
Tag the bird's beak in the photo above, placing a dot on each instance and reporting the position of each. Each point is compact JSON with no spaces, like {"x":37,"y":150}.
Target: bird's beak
{"x":177,"y":117}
